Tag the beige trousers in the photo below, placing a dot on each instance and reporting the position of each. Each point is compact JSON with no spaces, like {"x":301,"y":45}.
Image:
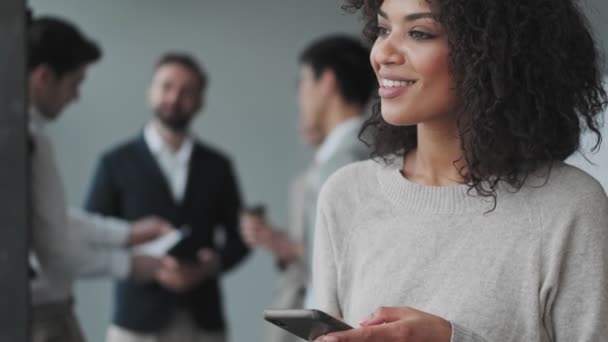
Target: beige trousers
{"x":181,"y":329}
{"x":55,"y":323}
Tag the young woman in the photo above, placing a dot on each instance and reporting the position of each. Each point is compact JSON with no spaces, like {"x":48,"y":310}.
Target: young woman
{"x":469,"y":226}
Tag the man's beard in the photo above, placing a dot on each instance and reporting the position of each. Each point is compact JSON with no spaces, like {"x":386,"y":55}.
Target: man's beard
{"x":177,"y":122}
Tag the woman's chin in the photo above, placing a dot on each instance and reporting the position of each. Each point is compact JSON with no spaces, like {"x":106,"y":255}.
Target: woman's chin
{"x":397,"y":118}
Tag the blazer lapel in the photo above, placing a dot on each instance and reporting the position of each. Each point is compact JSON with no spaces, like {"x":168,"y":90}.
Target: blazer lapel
{"x":157,"y":178}
{"x":195,"y":170}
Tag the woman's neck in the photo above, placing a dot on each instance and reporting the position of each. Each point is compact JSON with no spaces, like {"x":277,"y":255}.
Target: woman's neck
{"x":437,"y":159}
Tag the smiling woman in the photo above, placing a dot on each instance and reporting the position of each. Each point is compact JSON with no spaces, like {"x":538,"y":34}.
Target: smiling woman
{"x":526,"y":75}
{"x":469,"y":225}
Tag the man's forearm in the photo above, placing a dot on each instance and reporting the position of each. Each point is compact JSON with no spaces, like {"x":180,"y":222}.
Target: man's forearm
{"x":284,"y":249}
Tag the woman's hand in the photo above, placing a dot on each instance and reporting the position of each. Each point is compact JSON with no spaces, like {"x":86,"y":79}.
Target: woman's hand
{"x":400,"y":324}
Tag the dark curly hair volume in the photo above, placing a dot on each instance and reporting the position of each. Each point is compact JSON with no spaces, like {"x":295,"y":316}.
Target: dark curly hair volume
{"x":528,"y":74}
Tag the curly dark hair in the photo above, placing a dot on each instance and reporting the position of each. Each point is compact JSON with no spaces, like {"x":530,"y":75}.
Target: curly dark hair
{"x":529,"y":77}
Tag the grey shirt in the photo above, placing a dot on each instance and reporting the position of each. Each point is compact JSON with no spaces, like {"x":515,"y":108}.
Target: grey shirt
{"x":340,"y":148}
{"x":533,"y":269}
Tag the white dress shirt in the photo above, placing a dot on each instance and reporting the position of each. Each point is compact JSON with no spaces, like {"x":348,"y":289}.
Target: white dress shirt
{"x":67,"y":243}
{"x":173,"y":164}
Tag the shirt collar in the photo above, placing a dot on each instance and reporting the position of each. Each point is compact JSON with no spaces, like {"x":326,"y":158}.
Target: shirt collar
{"x":37,"y":121}
{"x":332,"y":141}
{"x":158,"y":146}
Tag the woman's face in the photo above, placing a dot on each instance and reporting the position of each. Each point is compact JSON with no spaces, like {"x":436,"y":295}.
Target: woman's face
{"x":410,"y":58}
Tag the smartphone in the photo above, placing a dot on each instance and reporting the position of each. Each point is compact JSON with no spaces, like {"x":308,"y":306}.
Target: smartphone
{"x":304,"y":323}
{"x":185,"y":248}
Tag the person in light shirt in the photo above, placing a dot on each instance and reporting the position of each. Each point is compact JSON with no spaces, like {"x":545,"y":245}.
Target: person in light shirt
{"x":335,"y":85}
{"x":68,"y":243}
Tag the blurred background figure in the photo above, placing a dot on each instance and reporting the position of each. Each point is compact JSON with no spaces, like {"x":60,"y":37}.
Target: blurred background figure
{"x":250,"y":49}
{"x":335,"y":84}
{"x":69,"y":243}
{"x":166,"y":171}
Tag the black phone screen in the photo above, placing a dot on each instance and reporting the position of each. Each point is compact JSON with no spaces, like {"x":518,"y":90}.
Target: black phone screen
{"x":306,"y":324}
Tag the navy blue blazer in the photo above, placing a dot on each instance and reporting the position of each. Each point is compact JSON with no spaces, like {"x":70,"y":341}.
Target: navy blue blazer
{"x":129,"y":184}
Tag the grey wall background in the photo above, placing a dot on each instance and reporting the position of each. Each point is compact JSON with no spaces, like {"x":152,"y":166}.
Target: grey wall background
{"x":597,"y":11}
{"x":250,"y":50}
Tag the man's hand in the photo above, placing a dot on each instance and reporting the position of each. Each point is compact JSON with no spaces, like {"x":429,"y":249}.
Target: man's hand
{"x":398,"y":324}
{"x":285,"y":249}
{"x":144,"y":268}
{"x":183,"y":277}
{"x":147,"y":229}
{"x":255,"y":231}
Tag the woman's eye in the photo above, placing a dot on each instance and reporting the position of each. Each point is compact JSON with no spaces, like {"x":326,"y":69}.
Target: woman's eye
{"x":381,"y":31}
{"x":420,"y":35}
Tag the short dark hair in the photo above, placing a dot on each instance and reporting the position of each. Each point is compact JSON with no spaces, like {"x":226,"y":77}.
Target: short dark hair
{"x":58,"y":44}
{"x":188,"y":62}
{"x":348,"y":58}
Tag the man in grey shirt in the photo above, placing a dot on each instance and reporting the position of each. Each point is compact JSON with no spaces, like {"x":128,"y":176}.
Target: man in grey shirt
{"x":336,"y":82}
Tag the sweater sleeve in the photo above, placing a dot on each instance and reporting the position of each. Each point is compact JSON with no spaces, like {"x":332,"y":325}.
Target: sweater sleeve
{"x":462,"y":334}
{"x":325,"y":271}
{"x":574,"y":292}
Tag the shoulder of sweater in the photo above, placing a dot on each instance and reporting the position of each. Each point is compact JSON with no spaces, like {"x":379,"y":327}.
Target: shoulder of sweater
{"x":564,"y":190}
{"x":350,"y":180}
{"x":573,"y":206}
{"x":567,"y":182}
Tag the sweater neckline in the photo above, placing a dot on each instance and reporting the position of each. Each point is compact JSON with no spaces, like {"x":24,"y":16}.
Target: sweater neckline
{"x":417,"y":197}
